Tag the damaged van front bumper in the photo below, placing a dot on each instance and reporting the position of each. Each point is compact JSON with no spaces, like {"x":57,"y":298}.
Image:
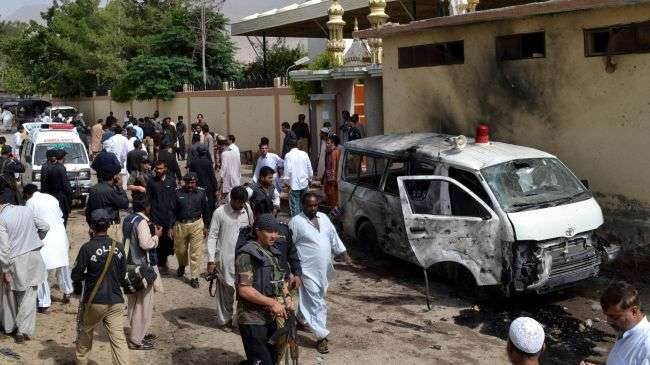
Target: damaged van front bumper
{"x":558,"y":263}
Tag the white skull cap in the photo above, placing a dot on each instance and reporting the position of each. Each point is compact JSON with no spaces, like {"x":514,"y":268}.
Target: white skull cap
{"x":527,"y":335}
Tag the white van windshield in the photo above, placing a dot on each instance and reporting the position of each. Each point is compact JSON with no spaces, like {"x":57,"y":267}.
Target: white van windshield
{"x":76,"y":153}
{"x":533,"y":183}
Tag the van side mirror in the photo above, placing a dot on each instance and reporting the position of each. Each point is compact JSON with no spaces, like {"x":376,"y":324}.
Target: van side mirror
{"x":585,"y":182}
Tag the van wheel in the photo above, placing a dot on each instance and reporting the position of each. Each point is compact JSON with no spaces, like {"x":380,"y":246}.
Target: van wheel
{"x":367,"y":238}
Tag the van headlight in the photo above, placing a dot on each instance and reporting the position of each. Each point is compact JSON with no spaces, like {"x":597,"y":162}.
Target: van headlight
{"x":36,"y":176}
{"x":84,"y":175}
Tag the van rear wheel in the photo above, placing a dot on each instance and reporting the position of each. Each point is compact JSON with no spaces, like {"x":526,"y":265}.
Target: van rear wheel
{"x":367,"y":238}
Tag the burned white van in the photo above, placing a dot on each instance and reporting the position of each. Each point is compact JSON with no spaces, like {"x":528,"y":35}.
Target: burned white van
{"x":514,"y":217}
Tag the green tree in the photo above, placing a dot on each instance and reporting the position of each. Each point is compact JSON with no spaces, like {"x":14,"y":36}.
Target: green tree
{"x":148,"y":77}
{"x":12,"y":79}
{"x":279,"y":57}
{"x":84,"y":47}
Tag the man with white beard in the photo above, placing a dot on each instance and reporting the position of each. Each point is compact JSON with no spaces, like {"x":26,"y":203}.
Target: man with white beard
{"x":55,"y":244}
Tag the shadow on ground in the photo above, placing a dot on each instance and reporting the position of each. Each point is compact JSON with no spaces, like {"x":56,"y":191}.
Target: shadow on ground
{"x":568,"y":341}
{"x":58,"y":353}
{"x":186,"y":317}
{"x":205,"y":355}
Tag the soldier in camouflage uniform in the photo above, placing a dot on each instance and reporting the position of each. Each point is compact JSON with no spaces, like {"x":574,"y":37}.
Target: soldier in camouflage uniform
{"x":261,"y":291}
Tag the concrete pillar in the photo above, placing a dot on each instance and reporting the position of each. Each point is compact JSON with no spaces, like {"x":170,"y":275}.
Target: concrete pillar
{"x":345,"y":97}
{"x":374,"y":106}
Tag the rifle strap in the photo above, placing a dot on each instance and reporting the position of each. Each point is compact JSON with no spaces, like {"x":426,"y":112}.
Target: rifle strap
{"x":99,"y":281}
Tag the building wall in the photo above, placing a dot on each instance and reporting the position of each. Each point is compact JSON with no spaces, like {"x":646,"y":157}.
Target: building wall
{"x":598,"y":123}
{"x":249,"y":114}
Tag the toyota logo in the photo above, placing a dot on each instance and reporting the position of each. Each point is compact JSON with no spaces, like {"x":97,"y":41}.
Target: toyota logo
{"x":569,"y":232}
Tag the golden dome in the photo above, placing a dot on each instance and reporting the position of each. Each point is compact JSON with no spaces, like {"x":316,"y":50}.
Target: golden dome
{"x":336,"y":9}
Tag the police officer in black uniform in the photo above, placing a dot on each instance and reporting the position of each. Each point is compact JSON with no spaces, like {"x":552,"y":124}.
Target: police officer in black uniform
{"x":109,"y":195}
{"x":203,"y":167}
{"x":55,"y":181}
{"x":192,"y":222}
{"x":45,"y":168}
{"x":9,"y":166}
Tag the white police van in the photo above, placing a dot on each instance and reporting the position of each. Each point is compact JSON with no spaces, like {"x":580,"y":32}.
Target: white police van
{"x":57,"y":136}
{"x":508,"y":216}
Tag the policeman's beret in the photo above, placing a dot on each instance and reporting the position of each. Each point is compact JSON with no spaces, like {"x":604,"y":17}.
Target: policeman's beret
{"x":190,"y":176}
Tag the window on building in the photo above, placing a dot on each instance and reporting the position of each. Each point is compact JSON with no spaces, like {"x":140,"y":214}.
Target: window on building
{"x":435,"y":54}
{"x":619,"y":39}
{"x":521,"y":46}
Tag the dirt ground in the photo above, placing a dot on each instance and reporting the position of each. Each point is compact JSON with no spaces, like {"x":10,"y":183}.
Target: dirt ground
{"x":376,"y":312}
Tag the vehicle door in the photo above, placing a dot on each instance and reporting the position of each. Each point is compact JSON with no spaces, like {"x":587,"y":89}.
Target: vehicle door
{"x":362,"y":178}
{"x":446,"y":222}
{"x":395,"y":241}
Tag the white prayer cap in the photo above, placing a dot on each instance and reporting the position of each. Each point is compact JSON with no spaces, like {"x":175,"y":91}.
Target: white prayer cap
{"x":527,"y":335}
{"x":325,"y":130}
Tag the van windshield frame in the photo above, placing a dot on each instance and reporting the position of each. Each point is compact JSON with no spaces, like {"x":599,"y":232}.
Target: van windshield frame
{"x":76,"y":153}
{"x":533,"y":183}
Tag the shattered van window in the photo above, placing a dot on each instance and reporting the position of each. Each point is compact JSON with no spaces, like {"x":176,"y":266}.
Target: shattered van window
{"x":439,"y":197}
{"x":533,"y":183}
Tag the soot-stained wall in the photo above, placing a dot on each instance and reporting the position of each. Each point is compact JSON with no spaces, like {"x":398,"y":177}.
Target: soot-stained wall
{"x":598,"y":123}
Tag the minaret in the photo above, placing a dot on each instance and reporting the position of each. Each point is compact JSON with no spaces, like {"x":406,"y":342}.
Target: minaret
{"x":377,"y":19}
{"x":336,"y":43}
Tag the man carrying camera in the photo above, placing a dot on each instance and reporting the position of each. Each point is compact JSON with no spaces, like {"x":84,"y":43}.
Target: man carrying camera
{"x":101,"y":266}
{"x":142,"y":237}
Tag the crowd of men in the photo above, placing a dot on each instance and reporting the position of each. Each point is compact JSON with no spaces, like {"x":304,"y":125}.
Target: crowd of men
{"x":253,"y":258}
{"x":265,"y":273}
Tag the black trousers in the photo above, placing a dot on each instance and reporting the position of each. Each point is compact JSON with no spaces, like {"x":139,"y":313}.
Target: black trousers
{"x":255,"y":339}
{"x":180,"y":151}
{"x":165,"y":247}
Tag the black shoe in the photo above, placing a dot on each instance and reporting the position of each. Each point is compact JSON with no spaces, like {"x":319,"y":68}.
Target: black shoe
{"x":180,"y":272}
{"x":194,"y":283}
{"x":322,"y":346}
{"x":66,"y":299}
{"x":20,"y":338}
{"x":150,"y":337}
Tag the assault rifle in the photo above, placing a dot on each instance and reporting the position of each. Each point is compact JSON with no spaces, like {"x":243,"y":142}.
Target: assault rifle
{"x":285,"y":339}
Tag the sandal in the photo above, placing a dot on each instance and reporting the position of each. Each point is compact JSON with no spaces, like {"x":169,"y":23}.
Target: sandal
{"x":144,"y":346}
{"x":321,"y":346}
{"x":150,"y":337}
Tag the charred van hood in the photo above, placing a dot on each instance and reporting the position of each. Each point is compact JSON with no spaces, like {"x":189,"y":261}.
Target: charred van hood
{"x":560,"y":221}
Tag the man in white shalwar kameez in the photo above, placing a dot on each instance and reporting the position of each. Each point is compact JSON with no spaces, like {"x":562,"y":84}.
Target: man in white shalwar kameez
{"x":55,"y":244}
{"x":22,"y":267}
{"x":226,"y":222}
{"x":7,"y":120}
{"x":316,"y":239}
